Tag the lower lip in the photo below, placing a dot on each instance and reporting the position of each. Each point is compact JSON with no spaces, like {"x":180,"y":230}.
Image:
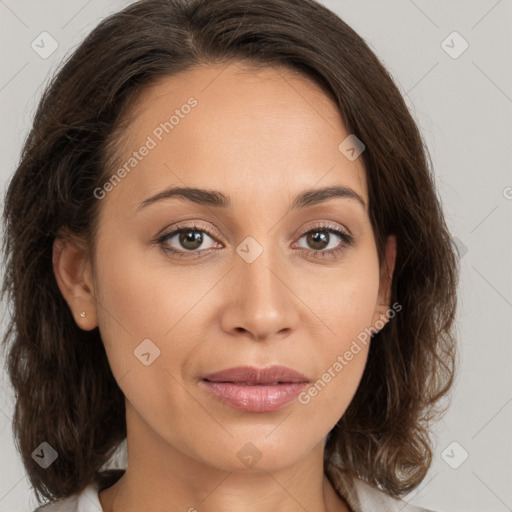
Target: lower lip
{"x":257,"y":398}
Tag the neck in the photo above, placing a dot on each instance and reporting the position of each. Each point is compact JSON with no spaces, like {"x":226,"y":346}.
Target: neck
{"x":159,"y":475}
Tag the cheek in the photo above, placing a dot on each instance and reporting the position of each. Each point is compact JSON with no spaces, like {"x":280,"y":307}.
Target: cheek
{"x":340,"y":303}
{"x":138,"y":298}
{"x":145,"y":308}
{"x":340,"y":360}
{"x":129,"y":310}
{"x":344,"y":307}
{"x":140,"y":303}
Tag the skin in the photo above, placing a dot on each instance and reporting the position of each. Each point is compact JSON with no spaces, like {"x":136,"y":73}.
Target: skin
{"x":260,"y":137}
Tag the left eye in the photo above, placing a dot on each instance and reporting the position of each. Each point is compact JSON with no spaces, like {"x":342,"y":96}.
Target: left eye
{"x":320,"y":239}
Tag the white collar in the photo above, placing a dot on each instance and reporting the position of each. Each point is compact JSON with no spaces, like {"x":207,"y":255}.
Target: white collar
{"x":362,"y":497}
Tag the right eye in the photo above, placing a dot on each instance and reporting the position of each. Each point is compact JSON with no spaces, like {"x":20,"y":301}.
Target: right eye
{"x":189,"y":237}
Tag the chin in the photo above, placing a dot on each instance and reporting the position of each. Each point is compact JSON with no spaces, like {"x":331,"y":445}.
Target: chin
{"x":256,"y":453}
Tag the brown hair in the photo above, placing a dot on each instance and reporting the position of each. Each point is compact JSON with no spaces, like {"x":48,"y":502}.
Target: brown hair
{"x":66,"y":393}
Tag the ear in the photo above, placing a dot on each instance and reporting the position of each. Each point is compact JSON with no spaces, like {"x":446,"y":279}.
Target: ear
{"x":73,"y":272}
{"x":386,"y":277}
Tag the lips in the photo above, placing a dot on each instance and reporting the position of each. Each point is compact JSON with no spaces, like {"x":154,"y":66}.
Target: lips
{"x":255,"y":389}
{"x":252,"y":376}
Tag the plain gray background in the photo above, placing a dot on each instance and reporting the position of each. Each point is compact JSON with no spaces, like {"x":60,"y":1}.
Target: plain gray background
{"x":463,"y":106}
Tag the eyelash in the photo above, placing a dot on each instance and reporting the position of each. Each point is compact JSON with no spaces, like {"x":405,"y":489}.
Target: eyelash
{"x":347,"y":241}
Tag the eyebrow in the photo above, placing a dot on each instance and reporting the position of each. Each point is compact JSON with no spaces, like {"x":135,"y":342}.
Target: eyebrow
{"x":219,"y":200}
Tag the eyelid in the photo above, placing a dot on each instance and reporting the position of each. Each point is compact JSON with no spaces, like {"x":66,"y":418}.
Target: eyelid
{"x":189,"y":224}
{"x":325,"y":224}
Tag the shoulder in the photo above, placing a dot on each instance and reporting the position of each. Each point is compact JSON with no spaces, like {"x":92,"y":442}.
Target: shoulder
{"x":66,"y":505}
{"x":86,"y":501}
{"x":371,"y":499}
{"x":362,"y":497}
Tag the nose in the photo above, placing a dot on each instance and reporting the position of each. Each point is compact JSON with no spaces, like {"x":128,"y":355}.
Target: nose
{"x":262,"y":304}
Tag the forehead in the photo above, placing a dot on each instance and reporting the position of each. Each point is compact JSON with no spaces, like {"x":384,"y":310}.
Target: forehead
{"x":267,"y":131}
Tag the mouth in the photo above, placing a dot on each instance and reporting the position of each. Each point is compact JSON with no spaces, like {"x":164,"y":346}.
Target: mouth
{"x":253,"y":376}
{"x":256,"y":389}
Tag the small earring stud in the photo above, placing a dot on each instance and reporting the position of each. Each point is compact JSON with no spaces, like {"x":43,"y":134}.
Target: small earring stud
{"x":82,"y":314}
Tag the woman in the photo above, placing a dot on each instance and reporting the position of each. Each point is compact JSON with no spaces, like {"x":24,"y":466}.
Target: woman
{"x":224,"y":245}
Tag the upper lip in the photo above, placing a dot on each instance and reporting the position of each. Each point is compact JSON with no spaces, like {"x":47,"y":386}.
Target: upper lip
{"x":254,"y":375}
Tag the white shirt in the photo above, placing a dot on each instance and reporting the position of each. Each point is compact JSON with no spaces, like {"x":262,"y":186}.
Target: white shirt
{"x":360,"y":496}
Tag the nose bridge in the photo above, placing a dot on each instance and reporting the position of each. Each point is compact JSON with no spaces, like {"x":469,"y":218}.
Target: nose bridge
{"x":255,"y":268}
{"x":263,"y":303}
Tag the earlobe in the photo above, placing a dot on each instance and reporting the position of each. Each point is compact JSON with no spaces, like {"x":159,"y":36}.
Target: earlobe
{"x":71,"y":267}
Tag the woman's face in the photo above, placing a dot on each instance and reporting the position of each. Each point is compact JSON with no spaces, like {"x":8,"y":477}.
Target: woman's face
{"x":247,"y":286}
